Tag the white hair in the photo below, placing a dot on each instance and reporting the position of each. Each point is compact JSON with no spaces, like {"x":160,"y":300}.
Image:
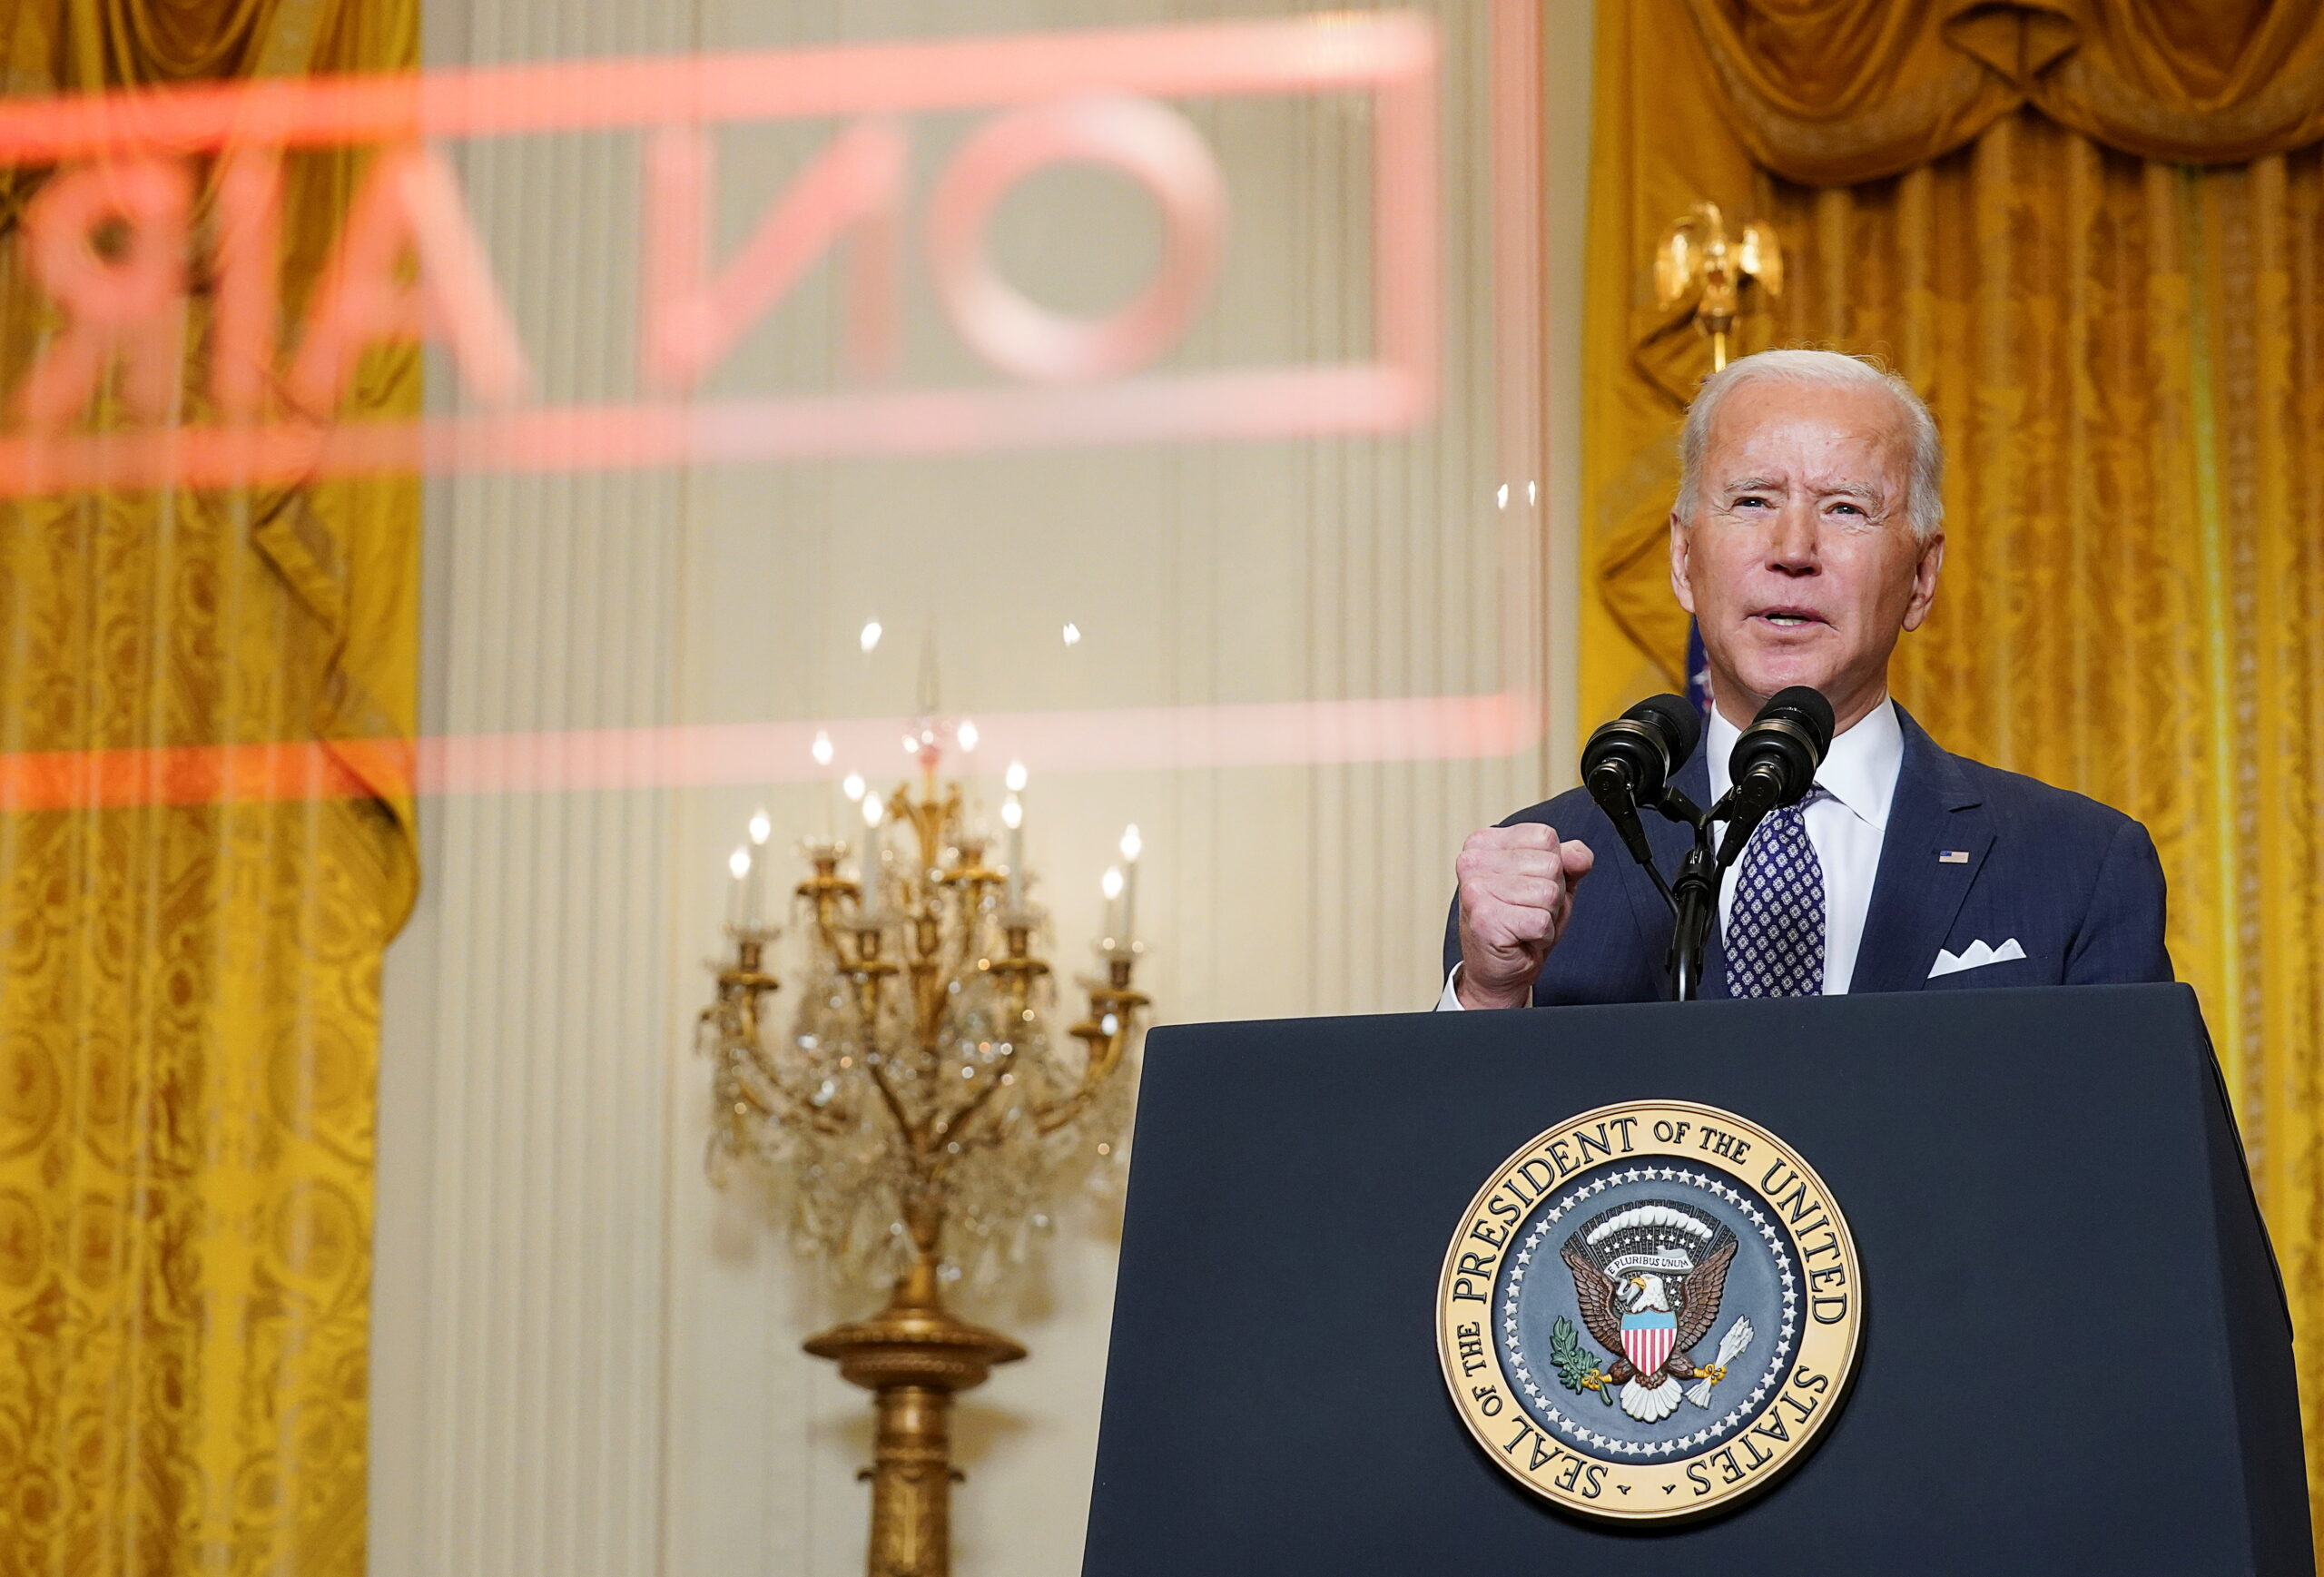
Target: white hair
{"x":1924,"y":499}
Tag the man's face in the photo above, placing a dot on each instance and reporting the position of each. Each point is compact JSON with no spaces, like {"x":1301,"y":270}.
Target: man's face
{"x":1800,"y":564}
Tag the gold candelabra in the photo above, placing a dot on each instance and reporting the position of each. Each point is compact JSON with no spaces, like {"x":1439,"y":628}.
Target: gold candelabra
{"x":1697,"y":260}
{"x":918,"y":1095}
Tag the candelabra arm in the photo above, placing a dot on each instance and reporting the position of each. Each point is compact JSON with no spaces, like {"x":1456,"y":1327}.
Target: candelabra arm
{"x":1017,"y":970}
{"x":735,"y":1100}
{"x":741,"y":985}
{"x":907,"y":1129}
{"x":972,"y":888}
{"x":960,"y":1127}
{"x":745,"y":1075}
{"x":867,"y":973}
{"x":927,"y":1001}
{"x":825,"y":1119}
{"x":1103,"y":1047}
{"x":732,"y":1020}
{"x":826,"y":892}
{"x":1054,"y":1116}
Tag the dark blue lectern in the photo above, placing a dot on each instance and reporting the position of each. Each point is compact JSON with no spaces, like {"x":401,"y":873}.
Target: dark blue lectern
{"x":2076,"y":1354}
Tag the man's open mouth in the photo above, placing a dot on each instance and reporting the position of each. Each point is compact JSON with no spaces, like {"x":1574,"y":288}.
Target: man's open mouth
{"x":1789,"y":618}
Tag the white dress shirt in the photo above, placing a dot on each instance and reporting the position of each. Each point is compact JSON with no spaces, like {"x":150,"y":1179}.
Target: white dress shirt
{"x":1859,"y":773}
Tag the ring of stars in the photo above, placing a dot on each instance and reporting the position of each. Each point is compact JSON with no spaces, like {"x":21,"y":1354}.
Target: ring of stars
{"x":1577,"y":1430}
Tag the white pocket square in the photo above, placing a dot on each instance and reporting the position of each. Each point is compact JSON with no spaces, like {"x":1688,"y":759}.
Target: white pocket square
{"x":1976,"y":955}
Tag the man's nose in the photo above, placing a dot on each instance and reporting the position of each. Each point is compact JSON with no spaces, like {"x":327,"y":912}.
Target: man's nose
{"x":1792,"y":547}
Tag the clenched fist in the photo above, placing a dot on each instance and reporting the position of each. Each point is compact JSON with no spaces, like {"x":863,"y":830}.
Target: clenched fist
{"x":1516,"y":895}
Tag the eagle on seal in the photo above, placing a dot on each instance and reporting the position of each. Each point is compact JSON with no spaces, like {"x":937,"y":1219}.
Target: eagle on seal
{"x":1648,"y":1278}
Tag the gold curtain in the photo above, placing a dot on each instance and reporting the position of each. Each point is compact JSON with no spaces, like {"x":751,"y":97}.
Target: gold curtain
{"x":189,"y":993}
{"x":2126,"y":357}
{"x":1832,"y":91}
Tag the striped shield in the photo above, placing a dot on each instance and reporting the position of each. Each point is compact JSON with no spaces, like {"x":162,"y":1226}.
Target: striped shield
{"x":1647,"y":1336}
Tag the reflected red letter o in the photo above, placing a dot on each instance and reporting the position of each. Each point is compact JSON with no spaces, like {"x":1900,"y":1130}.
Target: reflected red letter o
{"x":1151,"y":142}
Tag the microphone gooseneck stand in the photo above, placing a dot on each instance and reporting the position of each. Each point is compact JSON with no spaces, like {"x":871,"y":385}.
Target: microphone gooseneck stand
{"x":1693,"y":896}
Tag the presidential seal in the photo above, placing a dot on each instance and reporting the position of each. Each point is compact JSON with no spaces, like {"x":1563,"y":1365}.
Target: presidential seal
{"x":1649,"y":1311}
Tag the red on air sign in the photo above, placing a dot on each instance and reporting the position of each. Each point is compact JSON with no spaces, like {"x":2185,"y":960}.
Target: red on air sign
{"x":409,"y":262}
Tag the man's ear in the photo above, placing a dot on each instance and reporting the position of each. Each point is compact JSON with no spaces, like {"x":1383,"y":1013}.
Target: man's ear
{"x":1679,"y":586}
{"x":1932,"y":559}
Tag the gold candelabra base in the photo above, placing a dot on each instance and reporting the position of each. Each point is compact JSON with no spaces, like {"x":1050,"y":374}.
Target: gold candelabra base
{"x":913,"y":1355}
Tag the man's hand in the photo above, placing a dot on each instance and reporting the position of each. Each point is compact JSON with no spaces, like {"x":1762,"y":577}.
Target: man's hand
{"x":1516,"y":895}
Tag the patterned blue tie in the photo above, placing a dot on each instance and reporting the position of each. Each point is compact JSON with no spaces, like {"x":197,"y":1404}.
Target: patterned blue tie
{"x":1775,"y":927}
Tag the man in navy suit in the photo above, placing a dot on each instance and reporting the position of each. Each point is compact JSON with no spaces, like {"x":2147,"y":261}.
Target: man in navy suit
{"x":1807,"y":537}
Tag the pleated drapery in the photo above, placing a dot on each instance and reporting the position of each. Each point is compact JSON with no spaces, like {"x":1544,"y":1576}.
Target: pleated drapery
{"x":2126,"y":357}
{"x":189,"y":992}
{"x":1832,"y":92}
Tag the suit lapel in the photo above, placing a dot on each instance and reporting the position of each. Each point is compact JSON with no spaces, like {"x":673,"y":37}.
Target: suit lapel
{"x":1915,"y":899}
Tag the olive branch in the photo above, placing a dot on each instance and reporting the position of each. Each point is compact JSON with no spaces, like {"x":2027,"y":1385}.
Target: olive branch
{"x":1577,"y":1367}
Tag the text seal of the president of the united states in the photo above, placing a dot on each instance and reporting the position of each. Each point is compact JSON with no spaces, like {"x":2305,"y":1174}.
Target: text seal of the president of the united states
{"x":1649,"y":1311}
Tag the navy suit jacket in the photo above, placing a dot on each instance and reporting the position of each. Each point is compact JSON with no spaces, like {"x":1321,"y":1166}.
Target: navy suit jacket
{"x":2076,"y":884}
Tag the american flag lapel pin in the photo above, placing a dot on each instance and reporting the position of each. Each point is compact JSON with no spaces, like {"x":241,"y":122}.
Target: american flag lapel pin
{"x":1952,"y":856}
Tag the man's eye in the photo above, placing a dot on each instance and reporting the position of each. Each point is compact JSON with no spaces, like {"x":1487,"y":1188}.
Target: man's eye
{"x":1848,"y":508}
{"x":1750,"y":501}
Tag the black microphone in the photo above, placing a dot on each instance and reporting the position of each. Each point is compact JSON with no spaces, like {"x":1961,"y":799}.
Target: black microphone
{"x":1628,"y":761}
{"x":1774,"y":763}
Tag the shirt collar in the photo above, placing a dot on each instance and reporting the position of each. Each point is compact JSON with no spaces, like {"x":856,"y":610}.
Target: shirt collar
{"x":1860,"y":770}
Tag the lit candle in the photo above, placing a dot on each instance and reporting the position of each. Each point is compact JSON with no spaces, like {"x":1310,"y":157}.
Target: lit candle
{"x":1131,"y":844}
{"x":1111,"y":886}
{"x":755,"y":882}
{"x":1012,"y":816}
{"x":871,"y":881}
{"x":739,"y":862}
{"x":851,"y":785}
{"x":822,"y":751}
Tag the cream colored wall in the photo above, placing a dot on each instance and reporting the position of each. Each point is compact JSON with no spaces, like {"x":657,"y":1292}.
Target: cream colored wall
{"x":585,"y":1359}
